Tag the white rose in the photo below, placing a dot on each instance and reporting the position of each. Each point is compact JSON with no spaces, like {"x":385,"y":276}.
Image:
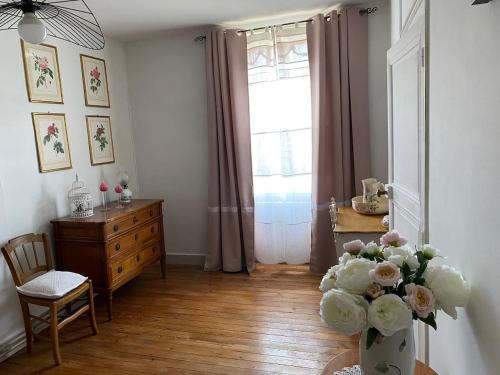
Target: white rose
{"x":413,"y":262}
{"x":345,"y":258}
{"x":371,"y":248}
{"x":449,"y":287}
{"x":398,"y":260}
{"x":354,"y":276}
{"x":343,"y":312}
{"x":329,"y":280}
{"x":395,"y":254}
{"x":389,"y":314}
{"x":430,"y":252}
{"x":402,"y":251}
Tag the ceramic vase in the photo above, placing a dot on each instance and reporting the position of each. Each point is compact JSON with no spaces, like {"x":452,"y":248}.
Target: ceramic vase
{"x":394,"y":355}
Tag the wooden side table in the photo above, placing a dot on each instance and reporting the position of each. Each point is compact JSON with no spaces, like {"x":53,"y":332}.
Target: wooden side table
{"x":351,"y":358}
{"x":350,"y":226}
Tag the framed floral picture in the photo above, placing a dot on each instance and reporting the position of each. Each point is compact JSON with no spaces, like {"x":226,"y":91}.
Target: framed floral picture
{"x":95,"y":81}
{"x":41,"y":70}
{"x":100,"y":140}
{"x":51,"y":141}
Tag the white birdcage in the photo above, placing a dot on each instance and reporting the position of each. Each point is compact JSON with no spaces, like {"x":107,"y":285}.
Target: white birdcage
{"x":80,"y":200}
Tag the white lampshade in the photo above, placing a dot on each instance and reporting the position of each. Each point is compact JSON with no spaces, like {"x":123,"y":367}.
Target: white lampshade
{"x":31,"y":29}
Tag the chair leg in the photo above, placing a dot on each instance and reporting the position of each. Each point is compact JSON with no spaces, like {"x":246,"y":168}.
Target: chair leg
{"x":27,"y":325}
{"x":91,"y":312}
{"x":54,"y":334}
{"x":110,"y":305}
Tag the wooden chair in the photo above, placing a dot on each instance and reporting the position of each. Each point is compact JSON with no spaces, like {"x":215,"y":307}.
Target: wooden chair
{"x":28,"y":269}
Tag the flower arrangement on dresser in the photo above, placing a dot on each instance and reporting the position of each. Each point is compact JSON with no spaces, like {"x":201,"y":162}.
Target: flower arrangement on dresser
{"x":378,"y":290}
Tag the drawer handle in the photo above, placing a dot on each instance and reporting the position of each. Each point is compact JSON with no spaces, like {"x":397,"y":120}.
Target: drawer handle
{"x":117,"y":247}
{"x":136,"y":237}
{"x":152,"y":229}
{"x":150,"y":212}
{"x":115,"y":228}
{"x":138,"y":258}
{"x":120,"y":269}
{"x":135,"y":220}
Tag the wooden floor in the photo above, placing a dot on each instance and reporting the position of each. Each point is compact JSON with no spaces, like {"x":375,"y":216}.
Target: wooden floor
{"x":199,"y":323}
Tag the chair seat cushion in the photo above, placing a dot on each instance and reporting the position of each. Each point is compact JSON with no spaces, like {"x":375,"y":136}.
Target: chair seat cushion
{"x":53,"y":284}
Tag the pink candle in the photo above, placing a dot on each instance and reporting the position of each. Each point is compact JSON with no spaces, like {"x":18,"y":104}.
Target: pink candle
{"x":104,"y":187}
{"x":118,"y":189}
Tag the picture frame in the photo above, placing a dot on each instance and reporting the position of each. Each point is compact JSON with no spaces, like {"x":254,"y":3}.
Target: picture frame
{"x":42,"y":73}
{"x":100,"y":140}
{"x":52,"y":144}
{"x":95,"y":81}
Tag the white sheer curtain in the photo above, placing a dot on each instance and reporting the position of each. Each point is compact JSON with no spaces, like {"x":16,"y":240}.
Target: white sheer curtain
{"x":280,"y":121}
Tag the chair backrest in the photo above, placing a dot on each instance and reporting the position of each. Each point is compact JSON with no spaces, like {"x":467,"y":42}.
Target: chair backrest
{"x":24,"y":256}
{"x":333,"y":212}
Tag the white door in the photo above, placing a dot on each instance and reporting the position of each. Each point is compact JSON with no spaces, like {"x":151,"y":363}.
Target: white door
{"x":407,"y":142}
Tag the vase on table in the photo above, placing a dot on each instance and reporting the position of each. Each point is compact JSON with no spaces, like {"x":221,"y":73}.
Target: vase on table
{"x":393,"y":355}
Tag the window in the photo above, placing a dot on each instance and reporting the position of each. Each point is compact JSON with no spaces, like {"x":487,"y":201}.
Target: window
{"x":280,"y":121}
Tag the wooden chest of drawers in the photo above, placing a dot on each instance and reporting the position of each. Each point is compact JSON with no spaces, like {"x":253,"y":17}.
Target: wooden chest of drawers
{"x":350,"y":225}
{"x":112,"y":247}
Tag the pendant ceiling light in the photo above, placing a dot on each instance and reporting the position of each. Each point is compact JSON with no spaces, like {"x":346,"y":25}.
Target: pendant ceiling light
{"x":69,"y":20}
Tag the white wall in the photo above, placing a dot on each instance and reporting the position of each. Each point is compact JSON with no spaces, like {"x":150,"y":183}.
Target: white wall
{"x":28,"y":199}
{"x":395,"y":20}
{"x":168,"y":98}
{"x":379,"y":41}
{"x":464,"y":177}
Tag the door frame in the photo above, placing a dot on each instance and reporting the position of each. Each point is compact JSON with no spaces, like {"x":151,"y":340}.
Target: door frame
{"x":414,"y":35}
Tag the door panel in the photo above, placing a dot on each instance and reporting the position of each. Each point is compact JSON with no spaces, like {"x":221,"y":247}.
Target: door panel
{"x":407,"y":143}
{"x":406,"y":82}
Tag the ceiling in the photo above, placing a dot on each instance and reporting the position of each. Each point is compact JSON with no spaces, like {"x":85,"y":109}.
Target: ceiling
{"x":128,"y":20}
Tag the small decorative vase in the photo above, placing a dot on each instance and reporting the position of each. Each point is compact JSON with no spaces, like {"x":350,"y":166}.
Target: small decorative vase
{"x":394,"y":355}
{"x":104,"y":201}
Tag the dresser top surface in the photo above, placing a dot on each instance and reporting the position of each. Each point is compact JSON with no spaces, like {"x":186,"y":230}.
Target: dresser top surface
{"x":349,"y":221}
{"x":112,"y":214}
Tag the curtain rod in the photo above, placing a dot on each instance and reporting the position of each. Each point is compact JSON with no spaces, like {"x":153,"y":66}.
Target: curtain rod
{"x":362,"y":12}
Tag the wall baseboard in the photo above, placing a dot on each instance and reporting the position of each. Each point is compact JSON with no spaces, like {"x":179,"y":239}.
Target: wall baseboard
{"x":183,"y":258}
{"x":18,"y":342}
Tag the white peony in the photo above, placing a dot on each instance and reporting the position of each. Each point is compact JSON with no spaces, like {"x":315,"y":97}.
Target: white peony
{"x":354,"y":276}
{"x":329,"y":280}
{"x":354,"y":247}
{"x":389,"y":314}
{"x":343,"y":312}
{"x":449,"y":287}
{"x":345,"y":258}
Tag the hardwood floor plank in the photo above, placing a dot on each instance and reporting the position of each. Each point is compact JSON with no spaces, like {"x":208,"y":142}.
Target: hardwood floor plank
{"x":196,"y":322}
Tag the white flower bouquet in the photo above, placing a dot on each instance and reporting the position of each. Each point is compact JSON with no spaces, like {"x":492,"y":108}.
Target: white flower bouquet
{"x":384,"y":288}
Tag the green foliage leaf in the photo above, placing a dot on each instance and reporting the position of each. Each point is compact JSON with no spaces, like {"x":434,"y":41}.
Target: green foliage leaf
{"x":370,"y":337}
{"x":430,"y":320}
{"x":58,"y":147}
{"x":406,"y":271}
{"x":51,"y":73}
